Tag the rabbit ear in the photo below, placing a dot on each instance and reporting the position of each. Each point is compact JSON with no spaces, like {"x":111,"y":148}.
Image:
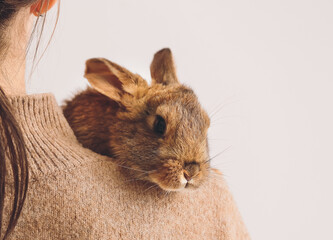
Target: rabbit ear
{"x":162,"y":68}
{"x":111,"y":79}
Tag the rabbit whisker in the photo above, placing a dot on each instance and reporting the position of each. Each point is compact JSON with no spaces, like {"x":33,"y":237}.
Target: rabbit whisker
{"x":225,"y":118}
{"x":151,"y":187}
{"x":210,"y":159}
{"x":138,"y":170}
{"x":221,"y":106}
{"x":167,"y":193}
{"x":216,"y":108}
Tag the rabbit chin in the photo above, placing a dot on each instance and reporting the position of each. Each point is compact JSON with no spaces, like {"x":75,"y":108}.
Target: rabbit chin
{"x":177,"y":184}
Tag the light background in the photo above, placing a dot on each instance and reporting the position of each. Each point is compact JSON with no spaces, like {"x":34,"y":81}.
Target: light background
{"x":265,"y":65}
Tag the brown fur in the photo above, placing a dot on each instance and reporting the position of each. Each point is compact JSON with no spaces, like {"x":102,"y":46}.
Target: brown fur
{"x":116,"y":118}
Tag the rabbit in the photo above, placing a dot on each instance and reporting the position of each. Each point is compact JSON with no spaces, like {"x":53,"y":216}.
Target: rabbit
{"x":158,"y":133}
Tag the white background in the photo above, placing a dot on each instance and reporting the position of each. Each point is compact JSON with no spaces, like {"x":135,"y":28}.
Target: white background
{"x":265,"y":65}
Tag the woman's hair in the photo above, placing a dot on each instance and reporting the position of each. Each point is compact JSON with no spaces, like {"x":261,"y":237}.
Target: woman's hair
{"x":12,"y":146}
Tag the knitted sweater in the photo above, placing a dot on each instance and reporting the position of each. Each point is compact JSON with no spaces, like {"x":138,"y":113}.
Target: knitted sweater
{"x":75,"y":193}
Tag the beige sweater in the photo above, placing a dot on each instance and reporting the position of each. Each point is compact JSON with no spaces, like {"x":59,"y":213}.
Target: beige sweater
{"x":77,"y":194}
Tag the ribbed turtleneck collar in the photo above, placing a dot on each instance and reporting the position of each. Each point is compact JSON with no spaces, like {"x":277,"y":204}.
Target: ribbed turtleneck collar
{"x":40,"y":112}
{"x":50,"y":141}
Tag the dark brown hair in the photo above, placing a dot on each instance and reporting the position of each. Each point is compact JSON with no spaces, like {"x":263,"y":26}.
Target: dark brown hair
{"x":12,"y":146}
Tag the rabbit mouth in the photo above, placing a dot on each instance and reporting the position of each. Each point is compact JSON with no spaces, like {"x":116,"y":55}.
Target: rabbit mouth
{"x":170,"y":186}
{"x":179,"y":185}
{"x":175,"y":178}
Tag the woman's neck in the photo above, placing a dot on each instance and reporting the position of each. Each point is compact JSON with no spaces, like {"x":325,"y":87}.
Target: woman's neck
{"x":12,"y":68}
{"x":12,"y":76}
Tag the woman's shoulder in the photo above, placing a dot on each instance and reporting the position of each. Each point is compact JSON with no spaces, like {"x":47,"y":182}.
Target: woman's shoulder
{"x":96,"y":201}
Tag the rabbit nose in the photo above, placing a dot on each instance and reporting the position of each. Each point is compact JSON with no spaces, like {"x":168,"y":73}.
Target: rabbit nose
{"x":191,"y":170}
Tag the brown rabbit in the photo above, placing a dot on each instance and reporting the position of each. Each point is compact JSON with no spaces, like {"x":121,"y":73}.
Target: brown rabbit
{"x":157,"y":133}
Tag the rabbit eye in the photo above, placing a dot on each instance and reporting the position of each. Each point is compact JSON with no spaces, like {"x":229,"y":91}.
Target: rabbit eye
{"x":159,"y":125}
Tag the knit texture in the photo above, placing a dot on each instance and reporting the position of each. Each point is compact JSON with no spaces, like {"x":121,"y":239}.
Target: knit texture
{"x":75,"y":193}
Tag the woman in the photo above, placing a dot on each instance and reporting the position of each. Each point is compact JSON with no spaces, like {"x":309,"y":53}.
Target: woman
{"x":52,"y":188}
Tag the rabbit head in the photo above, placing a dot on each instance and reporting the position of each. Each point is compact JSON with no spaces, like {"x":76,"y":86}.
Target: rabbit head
{"x":159,"y":132}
